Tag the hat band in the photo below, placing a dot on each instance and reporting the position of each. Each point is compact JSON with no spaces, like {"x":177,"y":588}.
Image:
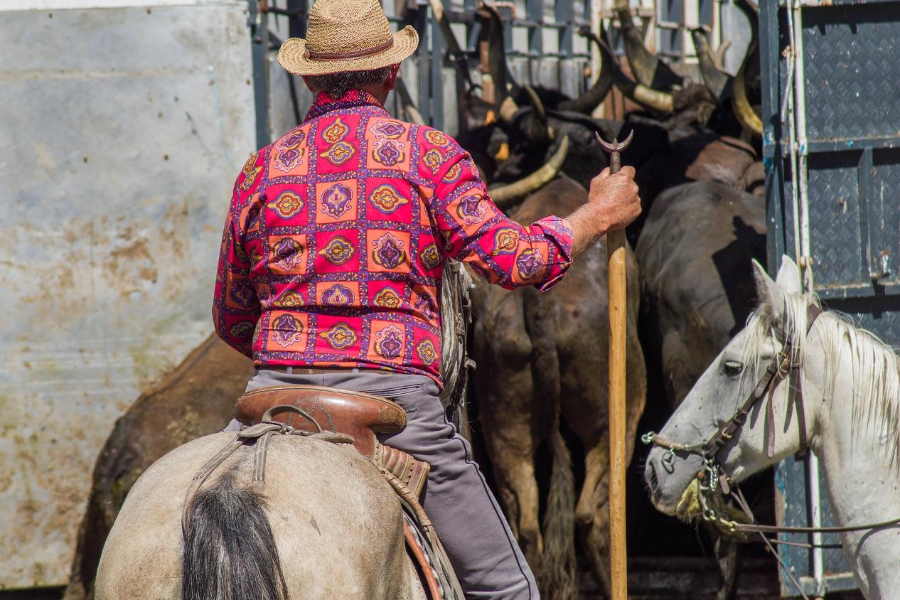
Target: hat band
{"x":348,"y":55}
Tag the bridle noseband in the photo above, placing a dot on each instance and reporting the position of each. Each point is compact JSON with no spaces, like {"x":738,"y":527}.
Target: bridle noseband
{"x":779,"y":368}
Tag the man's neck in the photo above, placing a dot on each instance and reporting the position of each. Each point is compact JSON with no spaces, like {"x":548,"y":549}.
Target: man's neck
{"x":378,"y":92}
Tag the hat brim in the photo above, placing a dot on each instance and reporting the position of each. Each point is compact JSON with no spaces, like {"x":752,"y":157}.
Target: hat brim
{"x":294,"y":57}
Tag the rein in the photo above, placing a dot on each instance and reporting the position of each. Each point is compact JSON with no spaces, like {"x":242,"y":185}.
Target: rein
{"x":779,"y":368}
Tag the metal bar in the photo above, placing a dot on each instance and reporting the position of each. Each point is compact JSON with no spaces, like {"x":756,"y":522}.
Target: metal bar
{"x":772,"y":150}
{"x":437,"y":73}
{"x":800,"y":106}
{"x":534,"y":10}
{"x":868,"y":235}
{"x":298,"y":24}
{"x":851,"y":144}
{"x":815,"y":502}
{"x":421,"y":25}
{"x":563,"y":16}
{"x":259,"y":31}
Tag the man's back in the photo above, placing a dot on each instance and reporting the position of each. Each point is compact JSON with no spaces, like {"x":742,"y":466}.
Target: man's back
{"x":338,"y":236}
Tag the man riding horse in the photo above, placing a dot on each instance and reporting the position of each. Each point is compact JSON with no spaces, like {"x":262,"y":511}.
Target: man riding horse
{"x":333,"y":253}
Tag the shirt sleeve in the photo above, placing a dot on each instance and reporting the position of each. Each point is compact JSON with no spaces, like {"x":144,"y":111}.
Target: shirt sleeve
{"x":476,"y":232}
{"x":236,"y":309}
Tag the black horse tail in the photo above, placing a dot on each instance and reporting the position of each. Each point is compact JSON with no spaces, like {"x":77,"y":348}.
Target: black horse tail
{"x":229,"y":550}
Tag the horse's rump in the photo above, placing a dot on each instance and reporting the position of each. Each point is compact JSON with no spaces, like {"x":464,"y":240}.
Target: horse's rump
{"x":336,"y":522}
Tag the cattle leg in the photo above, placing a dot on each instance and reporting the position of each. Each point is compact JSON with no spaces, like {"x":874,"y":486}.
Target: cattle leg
{"x":592,"y":512}
{"x":512,"y":437}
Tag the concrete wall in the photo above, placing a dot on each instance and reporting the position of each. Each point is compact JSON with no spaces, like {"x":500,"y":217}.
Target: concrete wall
{"x":122,"y":132}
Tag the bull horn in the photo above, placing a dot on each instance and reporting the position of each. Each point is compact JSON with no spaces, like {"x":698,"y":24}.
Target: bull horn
{"x":497,"y":67}
{"x":719,"y":55}
{"x":647,"y":68}
{"x":643,"y":95}
{"x":462,"y":64}
{"x":507,"y":195}
{"x":539,"y":131}
{"x":715,"y":80}
{"x":591,"y":99}
{"x":412,"y":113}
{"x":740,"y":104}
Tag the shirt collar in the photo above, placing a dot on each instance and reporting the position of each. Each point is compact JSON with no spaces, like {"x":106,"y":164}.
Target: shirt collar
{"x":326,"y":103}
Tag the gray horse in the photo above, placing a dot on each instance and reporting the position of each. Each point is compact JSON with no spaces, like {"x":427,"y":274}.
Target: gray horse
{"x":850,"y":416}
{"x":341,"y":537}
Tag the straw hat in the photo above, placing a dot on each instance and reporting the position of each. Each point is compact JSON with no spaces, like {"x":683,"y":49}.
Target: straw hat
{"x":346,"y":35}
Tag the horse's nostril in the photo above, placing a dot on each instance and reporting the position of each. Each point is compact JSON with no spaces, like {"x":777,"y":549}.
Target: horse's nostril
{"x":654,"y":480}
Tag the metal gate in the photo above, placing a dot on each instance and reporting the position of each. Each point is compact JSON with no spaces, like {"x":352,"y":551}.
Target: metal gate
{"x":542,"y":48}
{"x":832,"y":152}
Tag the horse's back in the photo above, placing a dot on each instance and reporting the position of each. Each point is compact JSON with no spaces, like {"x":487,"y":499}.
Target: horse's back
{"x":336,"y":522}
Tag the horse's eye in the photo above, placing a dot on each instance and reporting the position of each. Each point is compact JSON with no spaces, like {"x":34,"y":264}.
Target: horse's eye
{"x":733,"y":368}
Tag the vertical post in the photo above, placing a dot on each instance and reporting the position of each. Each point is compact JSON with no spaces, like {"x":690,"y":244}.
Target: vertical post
{"x":437,"y":72}
{"x":618,"y":457}
{"x":259,"y":35}
{"x":423,"y":64}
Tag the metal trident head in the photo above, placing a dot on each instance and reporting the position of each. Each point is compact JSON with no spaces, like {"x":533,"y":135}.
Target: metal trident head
{"x":614,"y":148}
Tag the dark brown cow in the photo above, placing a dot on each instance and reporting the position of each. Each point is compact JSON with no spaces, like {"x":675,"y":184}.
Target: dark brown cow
{"x":697,"y":290}
{"x":542,"y":359}
{"x":192,"y":401}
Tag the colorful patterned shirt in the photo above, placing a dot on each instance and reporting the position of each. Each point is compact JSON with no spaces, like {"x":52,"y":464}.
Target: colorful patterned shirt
{"x":337,"y":235}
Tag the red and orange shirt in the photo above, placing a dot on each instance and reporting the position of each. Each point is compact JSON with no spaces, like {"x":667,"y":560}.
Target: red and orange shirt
{"x":336,"y":239}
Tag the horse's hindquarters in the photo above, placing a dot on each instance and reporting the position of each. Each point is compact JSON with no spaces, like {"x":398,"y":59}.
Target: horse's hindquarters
{"x":336,"y":523}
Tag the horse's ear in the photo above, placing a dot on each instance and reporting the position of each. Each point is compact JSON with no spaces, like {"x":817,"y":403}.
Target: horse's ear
{"x":771,"y":296}
{"x":789,"y":276}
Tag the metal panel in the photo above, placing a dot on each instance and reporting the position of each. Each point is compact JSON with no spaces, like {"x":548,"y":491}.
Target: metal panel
{"x":123,"y":131}
{"x":850,"y":84}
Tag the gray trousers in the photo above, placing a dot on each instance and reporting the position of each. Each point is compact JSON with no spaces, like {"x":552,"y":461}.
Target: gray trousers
{"x":465,"y":513}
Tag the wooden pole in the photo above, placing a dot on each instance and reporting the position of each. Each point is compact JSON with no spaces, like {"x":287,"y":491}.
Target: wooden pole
{"x":618,"y":459}
{"x":615,"y":246}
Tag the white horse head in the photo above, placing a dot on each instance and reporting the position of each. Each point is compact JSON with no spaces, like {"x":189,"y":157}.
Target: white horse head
{"x":849,"y":413}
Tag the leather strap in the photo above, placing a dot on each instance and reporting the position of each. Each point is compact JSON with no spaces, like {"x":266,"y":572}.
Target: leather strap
{"x":349,"y":55}
{"x":298,"y":370}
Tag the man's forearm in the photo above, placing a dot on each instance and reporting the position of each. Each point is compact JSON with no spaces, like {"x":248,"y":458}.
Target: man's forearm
{"x":587,"y":225}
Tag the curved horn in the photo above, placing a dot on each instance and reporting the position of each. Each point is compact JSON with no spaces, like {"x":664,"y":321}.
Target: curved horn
{"x":719,"y":55}
{"x":743,"y":112}
{"x":647,"y":68}
{"x":658,"y":101}
{"x":715,"y":80}
{"x":492,"y":25}
{"x":507,"y":195}
{"x":539,"y":131}
{"x":591,"y":99}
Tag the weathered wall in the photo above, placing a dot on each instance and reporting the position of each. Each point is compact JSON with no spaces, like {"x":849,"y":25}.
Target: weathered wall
{"x":122,"y":131}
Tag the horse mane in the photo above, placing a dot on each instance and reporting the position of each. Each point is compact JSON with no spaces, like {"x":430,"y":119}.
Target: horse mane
{"x":874,"y":364}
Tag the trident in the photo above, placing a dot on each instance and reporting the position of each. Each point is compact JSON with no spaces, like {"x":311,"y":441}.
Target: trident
{"x":615,"y":249}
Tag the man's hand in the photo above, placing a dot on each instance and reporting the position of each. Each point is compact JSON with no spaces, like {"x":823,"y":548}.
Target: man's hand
{"x":615,"y":198}
{"x":613,"y":203}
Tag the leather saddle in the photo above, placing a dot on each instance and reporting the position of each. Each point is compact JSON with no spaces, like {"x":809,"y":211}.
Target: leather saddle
{"x":356,"y":414}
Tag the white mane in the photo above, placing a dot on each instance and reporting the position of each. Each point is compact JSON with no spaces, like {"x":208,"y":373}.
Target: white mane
{"x":874,"y":366}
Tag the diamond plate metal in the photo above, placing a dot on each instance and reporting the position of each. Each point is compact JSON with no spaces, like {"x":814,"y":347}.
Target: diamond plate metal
{"x":834,"y":214}
{"x":792,"y":507}
{"x":852,"y":71}
{"x":853,"y":129}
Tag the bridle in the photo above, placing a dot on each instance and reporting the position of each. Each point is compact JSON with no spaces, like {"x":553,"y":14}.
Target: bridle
{"x":713,"y":475}
{"x":713,"y":478}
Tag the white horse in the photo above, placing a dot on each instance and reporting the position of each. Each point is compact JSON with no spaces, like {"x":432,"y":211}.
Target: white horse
{"x":850,"y":384}
{"x":326,"y":525}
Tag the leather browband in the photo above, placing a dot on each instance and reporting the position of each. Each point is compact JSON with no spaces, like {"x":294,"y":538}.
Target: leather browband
{"x":348,"y":55}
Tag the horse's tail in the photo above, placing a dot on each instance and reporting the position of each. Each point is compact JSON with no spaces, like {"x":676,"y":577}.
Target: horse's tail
{"x":558,"y":575}
{"x":229,"y":550}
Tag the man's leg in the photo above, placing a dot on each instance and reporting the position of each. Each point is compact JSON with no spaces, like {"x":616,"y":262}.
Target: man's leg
{"x":466,"y":516}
